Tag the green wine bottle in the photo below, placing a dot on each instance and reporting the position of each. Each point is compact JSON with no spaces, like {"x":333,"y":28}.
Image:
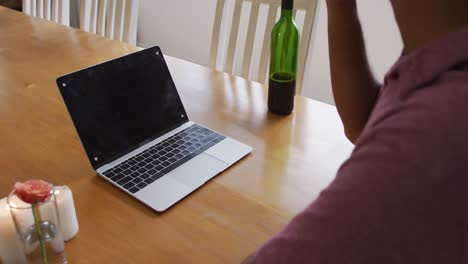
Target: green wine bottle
{"x":283,"y":62}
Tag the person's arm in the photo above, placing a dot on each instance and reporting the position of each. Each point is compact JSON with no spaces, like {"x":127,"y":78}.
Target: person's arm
{"x":354,"y":87}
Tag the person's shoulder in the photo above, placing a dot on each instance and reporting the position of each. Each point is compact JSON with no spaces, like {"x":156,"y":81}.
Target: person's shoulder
{"x":427,"y":113}
{"x":428,"y":104}
{"x":450,"y":86}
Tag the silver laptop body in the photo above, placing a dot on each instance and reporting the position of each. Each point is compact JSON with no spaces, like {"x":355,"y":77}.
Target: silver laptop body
{"x":136,"y":133}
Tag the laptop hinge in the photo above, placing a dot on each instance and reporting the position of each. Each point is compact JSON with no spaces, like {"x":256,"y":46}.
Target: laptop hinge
{"x":103,"y":168}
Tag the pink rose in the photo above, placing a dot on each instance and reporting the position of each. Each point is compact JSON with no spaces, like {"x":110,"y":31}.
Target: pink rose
{"x":33,"y":191}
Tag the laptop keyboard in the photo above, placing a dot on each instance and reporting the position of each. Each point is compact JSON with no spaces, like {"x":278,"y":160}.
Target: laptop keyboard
{"x":143,"y":169}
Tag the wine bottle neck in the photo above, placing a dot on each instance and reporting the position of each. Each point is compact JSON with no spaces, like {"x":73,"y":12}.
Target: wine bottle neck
{"x":286,"y":14}
{"x":287,"y":4}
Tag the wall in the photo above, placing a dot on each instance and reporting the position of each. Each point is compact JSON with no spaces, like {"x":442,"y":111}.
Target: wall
{"x":183,"y":29}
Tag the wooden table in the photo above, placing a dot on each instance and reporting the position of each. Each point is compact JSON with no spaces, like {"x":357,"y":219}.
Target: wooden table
{"x":294,"y":157}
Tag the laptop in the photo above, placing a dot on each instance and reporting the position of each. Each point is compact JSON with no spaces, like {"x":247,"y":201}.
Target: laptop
{"x":136,"y":132}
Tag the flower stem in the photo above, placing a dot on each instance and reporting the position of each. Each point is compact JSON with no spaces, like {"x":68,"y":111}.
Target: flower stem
{"x":39,"y":234}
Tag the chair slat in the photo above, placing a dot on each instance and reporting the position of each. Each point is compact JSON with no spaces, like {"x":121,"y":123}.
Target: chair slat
{"x":85,"y":15}
{"x":216,"y":33}
{"x":26,"y":6}
{"x":55,"y":11}
{"x":40,"y":8}
{"x":47,"y":9}
{"x":248,"y":50}
{"x":60,"y":8}
{"x":110,"y":19}
{"x":101,"y":18}
{"x":119,"y":19}
{"x":272,"y":10}
{"x":33,"y":8}
{"x":304,"y":45}
{"x":64,"y":12}
{"x":131,"y":21}
{"x":233,"y":37}
{"x":93,"y":16}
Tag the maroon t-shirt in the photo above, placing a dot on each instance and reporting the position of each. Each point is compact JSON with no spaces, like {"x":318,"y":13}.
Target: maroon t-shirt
{"x":402,"y":197}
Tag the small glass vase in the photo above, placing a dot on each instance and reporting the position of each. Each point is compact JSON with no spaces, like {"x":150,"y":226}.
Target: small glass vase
{"x":45,"y":228}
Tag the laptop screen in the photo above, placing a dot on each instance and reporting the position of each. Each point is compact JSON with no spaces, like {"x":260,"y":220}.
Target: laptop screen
{"x":122,"y":104}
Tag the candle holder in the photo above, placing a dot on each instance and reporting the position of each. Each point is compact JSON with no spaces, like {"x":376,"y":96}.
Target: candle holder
{"x":67,"y":213}
{"x":11,"y":250}
{"x":38,"y":227}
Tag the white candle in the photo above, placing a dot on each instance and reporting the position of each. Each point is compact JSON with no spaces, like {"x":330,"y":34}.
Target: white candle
{"x":11,"y":250}
{"x":67,"y":212}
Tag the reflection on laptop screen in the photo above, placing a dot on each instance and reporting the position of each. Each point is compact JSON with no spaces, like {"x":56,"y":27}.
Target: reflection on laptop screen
{"x":121,"y":104}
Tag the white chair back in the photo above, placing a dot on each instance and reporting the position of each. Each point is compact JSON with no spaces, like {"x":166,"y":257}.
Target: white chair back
{"x":53,"y":10}
{"x":225,"y":56}
{"x":115,"y":19}
{"x":226,"y":63}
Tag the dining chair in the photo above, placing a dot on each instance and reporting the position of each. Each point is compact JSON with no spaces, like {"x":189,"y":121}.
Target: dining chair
{"x":114,"y":19}
{"x":53,"y":10}
{"x":226,"y":63}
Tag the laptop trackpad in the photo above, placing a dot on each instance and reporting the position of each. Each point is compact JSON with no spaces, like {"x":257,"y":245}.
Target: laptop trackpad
{"x":163,"y":193}
{"x":198,"y":170}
